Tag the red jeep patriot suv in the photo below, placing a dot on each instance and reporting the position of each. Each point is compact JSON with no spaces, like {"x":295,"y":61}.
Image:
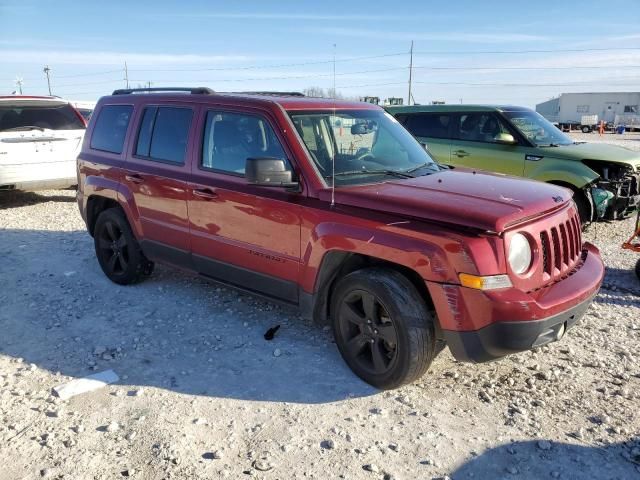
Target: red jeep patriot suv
{"x":334,"y":207}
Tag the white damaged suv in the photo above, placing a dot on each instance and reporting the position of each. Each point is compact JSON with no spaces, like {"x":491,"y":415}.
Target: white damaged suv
{"x":40,"y":138}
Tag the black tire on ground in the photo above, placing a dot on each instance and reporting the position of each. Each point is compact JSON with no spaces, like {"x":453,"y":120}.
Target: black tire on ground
{"x":382,"y":327}
{"x":585,"y":207}
{"x":586,"y":129}
{"x":117,"y":249}
{"x":638,"y":269}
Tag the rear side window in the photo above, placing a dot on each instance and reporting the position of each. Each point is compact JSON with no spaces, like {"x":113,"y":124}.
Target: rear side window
{"x":111,"y":128}
{"x":163,"y":134}
{"x":25,"y":117}
{"x":434,"y":125}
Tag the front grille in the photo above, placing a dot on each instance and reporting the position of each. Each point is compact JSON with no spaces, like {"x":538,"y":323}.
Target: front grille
{"x":560,"y":246}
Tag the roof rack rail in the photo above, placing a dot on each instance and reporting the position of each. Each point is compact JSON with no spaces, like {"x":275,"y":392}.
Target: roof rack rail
{"x":193,"y":91}
{"x":283,"y":94}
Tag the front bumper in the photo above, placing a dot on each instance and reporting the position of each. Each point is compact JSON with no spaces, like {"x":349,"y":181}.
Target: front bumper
{"x":500,"y":339}
{"x":626,"y":195}
{"x":481,"y":325}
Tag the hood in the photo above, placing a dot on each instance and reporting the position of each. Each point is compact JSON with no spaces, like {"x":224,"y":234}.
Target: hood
{"x":594,"y":151}
{"x":485,"y":201}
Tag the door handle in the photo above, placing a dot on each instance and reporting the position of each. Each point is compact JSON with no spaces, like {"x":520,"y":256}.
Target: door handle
{"x":134,"y":178}
{"x":205,"y":193}
{"x":461,"y":153}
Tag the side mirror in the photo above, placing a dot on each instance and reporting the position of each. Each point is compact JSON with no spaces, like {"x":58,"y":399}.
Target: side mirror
{"x":505,"y":139}
{"x":360,"y":129}
{"x":425,"y":146}
{"x":268,"y":172}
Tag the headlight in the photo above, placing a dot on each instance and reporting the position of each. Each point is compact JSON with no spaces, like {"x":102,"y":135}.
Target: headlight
{"x":519,"y":254}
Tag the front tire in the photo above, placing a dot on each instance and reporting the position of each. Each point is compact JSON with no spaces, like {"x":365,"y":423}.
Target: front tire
{"x":382,"y":327}
{"x":117,"y":249}
{"x":586,"y":209}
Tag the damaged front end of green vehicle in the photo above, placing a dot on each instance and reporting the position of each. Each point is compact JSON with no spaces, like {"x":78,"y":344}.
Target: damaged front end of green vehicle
{"x":604,"y":178}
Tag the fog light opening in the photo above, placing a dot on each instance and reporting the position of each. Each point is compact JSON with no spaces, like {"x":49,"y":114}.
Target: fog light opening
{"x":561,"y":331}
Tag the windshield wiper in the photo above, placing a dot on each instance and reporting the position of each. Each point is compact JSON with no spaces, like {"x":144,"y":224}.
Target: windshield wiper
{"x":433,"y":166}
{"x":392,"y":173}
{"x":23,"y":128}
{"x":549,"y":145}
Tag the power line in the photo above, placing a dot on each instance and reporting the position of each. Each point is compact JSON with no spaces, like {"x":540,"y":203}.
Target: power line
{"x":282,"y":65}
{"x":468,"y":84}
{"x":507,"y":52}
{"x":595,"y":67}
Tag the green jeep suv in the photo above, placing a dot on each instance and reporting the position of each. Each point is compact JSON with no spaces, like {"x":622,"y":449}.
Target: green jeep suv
{"x":517,"y":141}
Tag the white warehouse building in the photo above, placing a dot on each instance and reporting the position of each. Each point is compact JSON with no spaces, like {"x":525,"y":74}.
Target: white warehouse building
{"x":620,"y":108}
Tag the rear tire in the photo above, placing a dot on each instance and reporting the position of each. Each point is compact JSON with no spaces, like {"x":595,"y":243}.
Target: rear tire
{"x":586,"y":129}
{"x":117,"y":249}
{"x":382,"y":327}
{"x":638,"y":269}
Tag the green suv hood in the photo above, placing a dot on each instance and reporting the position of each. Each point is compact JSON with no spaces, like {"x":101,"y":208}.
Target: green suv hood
{"x":594,"y":151}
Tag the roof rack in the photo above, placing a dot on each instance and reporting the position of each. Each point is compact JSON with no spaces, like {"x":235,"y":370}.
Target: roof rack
{"x":193,"y":91}
{"x":277,"y":94}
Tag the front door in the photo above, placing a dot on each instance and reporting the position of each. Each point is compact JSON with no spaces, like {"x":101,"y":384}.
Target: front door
{"x":475,"y":146}
{"x":242,"y":234}
{"x":156,"y":174}
{"x":433,"y":130}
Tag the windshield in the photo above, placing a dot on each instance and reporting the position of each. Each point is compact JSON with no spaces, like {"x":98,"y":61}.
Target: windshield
{"x":537,"y":129}
{"x":57,"y":117}
{"x":368,"y":146}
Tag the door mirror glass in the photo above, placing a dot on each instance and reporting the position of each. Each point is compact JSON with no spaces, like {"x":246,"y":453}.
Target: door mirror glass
{"x":268,"y":172}
{"x":505,"y":138}
{"x":361,"y":128}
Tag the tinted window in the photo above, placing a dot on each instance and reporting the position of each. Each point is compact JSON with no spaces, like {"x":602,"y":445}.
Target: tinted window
{"x":146,"y":129}
{"x":434,"y":125}
{"x":480,"y":127}
{"x":111,"y":128}
{"x":164,"y":132}
{"x":231,"y":138}
{"x":58,"y":117}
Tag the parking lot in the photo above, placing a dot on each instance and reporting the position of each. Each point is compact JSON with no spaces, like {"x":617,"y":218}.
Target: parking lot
{"x":202,"y":394}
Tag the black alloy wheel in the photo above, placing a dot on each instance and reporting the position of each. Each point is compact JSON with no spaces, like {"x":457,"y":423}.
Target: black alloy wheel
{"x":117,"y":249}
{"x":113,"y":249}
{"x":370,"y":334}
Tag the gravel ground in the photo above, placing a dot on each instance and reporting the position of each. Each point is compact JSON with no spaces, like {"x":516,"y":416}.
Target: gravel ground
{"x":202,"y":395}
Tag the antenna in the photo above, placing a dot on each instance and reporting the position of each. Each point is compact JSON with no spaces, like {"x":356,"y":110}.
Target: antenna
{"x":410,"y":73}
{"x":46,"y":71}
{"x":126,"y":74}
{"x":333,"y":161}
{"x":19,"y":83}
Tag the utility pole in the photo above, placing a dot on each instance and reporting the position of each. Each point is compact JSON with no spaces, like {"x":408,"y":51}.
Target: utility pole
{"x":410,"y":72}
{"x":126,"y":74}
{"x":19,"y":84}
{"x":46,"y":71}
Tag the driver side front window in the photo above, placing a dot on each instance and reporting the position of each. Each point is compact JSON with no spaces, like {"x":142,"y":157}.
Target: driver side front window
{"x":231,"y":138}
{"x":480,"y":127}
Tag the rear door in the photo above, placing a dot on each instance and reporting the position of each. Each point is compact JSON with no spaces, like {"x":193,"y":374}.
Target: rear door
{"x":434,"y":130}
{"x":240,"y":233}
{"x":475,"y":146}
{"x":156,"y":174}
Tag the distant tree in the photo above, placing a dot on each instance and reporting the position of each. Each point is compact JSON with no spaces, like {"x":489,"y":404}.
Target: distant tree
{"x":314,"y":92}
{"x":320,"y":92}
